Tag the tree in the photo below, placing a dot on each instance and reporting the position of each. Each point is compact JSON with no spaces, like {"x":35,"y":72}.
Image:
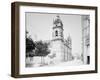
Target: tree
{"x":41,"y":50}
{"x":30,"y":46}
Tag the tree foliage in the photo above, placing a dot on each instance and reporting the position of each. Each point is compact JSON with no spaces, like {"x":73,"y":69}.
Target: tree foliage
{"x":41,"y":48}
{"x":30,"y":46}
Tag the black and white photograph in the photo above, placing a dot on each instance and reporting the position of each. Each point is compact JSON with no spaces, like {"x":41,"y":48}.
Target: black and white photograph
{"x":57,"y":39}
{"x":52,"y":39}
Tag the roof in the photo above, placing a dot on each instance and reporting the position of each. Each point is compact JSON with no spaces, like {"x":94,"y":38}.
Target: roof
{"x":57,"y":20}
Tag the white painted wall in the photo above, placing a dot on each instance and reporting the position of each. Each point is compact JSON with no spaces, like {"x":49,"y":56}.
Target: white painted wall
{"x":5,"y":41}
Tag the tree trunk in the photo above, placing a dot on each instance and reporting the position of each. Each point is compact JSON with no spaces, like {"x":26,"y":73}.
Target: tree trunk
{"x":41,"y":60}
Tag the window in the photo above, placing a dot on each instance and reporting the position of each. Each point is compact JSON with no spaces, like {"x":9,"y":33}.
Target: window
{"x":88,"y":59}
{"x":56,"y":33}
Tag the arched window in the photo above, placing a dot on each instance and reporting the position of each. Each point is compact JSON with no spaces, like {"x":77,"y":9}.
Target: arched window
{"x":56,"y":33}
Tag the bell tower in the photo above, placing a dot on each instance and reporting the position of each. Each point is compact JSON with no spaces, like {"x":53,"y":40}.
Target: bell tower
{"x":57,"y":39}
{"x":57,"y":29}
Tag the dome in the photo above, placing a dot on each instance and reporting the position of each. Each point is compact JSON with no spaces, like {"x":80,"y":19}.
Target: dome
{"x":57,"y":21}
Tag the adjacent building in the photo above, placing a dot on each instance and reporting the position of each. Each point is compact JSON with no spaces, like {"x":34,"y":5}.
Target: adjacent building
{"x":86,"y":39}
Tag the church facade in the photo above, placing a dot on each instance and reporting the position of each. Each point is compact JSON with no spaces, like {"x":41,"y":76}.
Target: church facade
{"x":60,"y":48}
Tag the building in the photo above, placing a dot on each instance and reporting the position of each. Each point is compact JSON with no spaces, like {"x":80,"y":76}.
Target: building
{"x":68,"y":49}
{"x":86,"y":39}
{"x":60,"y":48}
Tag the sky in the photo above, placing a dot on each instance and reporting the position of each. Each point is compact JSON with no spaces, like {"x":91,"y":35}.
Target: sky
{"x":39,"y":26}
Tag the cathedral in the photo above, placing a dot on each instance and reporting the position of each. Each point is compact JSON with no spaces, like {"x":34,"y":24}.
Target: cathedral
{"x":60,"y":48}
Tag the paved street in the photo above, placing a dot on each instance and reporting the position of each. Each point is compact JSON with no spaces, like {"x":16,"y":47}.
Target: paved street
{"x":74,"y":62}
